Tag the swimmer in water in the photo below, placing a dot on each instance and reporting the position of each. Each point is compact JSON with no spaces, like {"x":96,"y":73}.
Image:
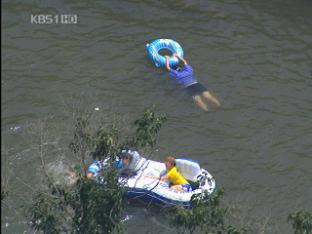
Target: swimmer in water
{"x":184,"y":76}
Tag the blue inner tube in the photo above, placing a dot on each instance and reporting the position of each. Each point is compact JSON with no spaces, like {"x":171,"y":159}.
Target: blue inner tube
{"x":155,"y":46}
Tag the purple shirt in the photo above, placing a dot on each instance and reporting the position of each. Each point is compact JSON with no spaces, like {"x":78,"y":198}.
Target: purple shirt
{"x":184,"y":76}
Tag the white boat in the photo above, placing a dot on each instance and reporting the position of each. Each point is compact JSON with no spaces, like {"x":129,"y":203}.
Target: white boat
{"x":144,"y":186}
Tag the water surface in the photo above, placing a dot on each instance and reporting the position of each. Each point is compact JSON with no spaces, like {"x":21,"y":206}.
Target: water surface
{"x":255,"y":56}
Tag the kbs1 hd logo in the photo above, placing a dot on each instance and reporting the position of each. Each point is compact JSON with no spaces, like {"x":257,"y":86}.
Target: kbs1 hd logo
{"x":53,"y":19}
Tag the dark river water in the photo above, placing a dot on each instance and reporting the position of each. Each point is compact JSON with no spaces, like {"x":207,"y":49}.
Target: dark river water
{"x":255,"y":56}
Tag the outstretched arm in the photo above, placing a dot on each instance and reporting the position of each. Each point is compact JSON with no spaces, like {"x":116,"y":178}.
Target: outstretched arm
{"x":182,"y":59}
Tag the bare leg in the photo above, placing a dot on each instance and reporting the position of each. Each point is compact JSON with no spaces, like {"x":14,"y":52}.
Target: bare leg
{"x":199,"y":102}
{"x":208,"y":96}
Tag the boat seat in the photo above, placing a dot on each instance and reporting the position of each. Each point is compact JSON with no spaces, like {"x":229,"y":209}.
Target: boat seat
{"x":189,"y":168}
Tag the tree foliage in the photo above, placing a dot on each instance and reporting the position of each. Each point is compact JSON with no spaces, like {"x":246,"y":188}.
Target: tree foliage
{"x":98,"y":208}
{"x":301,"y":222}
{"x":82,"y":138}
{"x":45,"y":213}
{"x":89,"y":206}
{"x":148,"y":127}
{"x":105,"y":143}
{"x":206,"y":215}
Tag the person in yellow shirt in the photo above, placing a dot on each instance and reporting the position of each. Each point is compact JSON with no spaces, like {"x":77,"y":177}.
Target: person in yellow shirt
{"x":176,"y":179}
